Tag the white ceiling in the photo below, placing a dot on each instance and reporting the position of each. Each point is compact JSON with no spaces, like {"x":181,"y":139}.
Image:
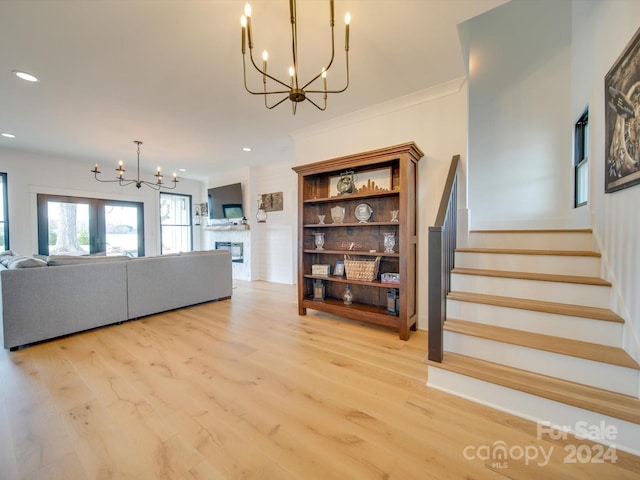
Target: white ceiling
{"x":169,"y":73}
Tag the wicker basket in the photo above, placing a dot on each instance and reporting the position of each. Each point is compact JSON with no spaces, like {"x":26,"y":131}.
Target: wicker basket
{"x":363,"y":269}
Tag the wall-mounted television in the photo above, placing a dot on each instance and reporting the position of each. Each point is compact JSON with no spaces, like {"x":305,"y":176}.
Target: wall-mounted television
{"x":225,"y":202}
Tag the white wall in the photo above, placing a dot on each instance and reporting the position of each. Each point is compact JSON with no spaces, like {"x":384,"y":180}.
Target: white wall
{"x":435,"y":119}
{"x":273,"y":245}
{"x":520,"y":124}
{"x":533,"y":69}
{"x":602,"y":30}
{"x":29,"y":174}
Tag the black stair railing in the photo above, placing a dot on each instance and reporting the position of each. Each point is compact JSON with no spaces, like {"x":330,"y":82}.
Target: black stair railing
{"x":442,"y":246}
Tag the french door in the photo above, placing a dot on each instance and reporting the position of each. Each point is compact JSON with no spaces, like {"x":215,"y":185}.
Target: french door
{"x":83,"y":226}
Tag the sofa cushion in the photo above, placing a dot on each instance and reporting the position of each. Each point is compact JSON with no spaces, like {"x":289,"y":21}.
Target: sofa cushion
{"x":157,"y":284}
{"x":43,"y":303}
{"x":59,"y":260}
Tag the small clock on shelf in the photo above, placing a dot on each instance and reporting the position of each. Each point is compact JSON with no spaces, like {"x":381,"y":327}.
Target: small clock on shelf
{"x":346,"y":184}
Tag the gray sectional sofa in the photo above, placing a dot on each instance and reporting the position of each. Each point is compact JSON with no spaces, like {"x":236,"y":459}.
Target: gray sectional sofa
{"x":48,"y":298}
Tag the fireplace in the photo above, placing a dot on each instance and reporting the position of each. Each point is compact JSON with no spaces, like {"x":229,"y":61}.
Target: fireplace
{"x":238,"y":242}
{"x":236,"y":249}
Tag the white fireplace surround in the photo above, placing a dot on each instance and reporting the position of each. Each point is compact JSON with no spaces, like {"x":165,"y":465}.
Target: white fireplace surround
{"x":217,"y":233}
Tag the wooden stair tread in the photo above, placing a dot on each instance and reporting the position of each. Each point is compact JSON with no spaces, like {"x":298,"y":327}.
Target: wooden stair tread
{"x":548,"y":343}
{"x":547,"y":277}
{"x":609,"y":403}
{"x":581,"y":311}
{"x":515,"y":251}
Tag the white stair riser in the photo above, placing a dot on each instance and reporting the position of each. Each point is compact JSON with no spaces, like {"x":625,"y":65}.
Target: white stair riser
{"x":554,"y":264}
{"x":532,"y":240}
{"x":576,"y":328}
{"x":535,"y":408}
{"x":559,"y":292}
{"x":579,"y":370}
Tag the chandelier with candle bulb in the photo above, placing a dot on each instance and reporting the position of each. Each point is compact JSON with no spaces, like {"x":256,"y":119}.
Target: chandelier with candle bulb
{"x":123,"y":182}
{"x":293,"y":90}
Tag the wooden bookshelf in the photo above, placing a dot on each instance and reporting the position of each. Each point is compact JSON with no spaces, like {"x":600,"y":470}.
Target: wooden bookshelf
{"x":384,"y":180}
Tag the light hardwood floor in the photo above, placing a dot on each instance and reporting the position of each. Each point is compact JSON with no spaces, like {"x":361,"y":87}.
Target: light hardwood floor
{"x":247,"y":389}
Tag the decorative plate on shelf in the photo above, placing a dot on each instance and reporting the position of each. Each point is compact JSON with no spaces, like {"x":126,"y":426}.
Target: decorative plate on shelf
{"x":363,"y":212}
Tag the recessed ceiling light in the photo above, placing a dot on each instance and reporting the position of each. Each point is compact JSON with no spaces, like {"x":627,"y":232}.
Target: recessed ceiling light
{"x":182,"y":169}
{"x":8,"y":135}
{"x":25,"y":76}
{"x":246,"y":149}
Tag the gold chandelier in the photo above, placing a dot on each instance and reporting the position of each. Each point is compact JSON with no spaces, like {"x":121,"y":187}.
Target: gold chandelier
{"x":123,"y":182}
{"x":293,"y":90}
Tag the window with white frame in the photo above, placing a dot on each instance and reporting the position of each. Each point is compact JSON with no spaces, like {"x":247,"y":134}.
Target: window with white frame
{"x":175,"y":223}
{"x":581,"y":160}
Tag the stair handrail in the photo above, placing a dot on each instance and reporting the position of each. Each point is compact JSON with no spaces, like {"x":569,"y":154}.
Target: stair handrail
{"x":442,"y":245}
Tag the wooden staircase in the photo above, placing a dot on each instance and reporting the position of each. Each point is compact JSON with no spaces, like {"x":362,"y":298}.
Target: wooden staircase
{"x":529,"y":331}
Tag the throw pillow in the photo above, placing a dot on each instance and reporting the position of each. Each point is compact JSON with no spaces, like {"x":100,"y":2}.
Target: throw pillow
{"x":22,"y":261}
{"x":5,"y":257}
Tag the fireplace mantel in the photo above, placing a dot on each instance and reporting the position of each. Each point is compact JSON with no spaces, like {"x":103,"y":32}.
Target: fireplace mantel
{"x":226,"y":228}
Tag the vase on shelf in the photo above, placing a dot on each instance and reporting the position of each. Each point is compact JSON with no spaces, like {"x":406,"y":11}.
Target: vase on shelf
{"x":389,"y":242}
{"x":321,"y":219}
{"x":394,"y":216}
{"x":319,"y":240}
{"x":347,"y":297}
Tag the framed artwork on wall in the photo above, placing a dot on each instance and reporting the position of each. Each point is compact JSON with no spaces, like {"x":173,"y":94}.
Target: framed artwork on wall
{"x":622,"y":119}
{"x":272,"y":202}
